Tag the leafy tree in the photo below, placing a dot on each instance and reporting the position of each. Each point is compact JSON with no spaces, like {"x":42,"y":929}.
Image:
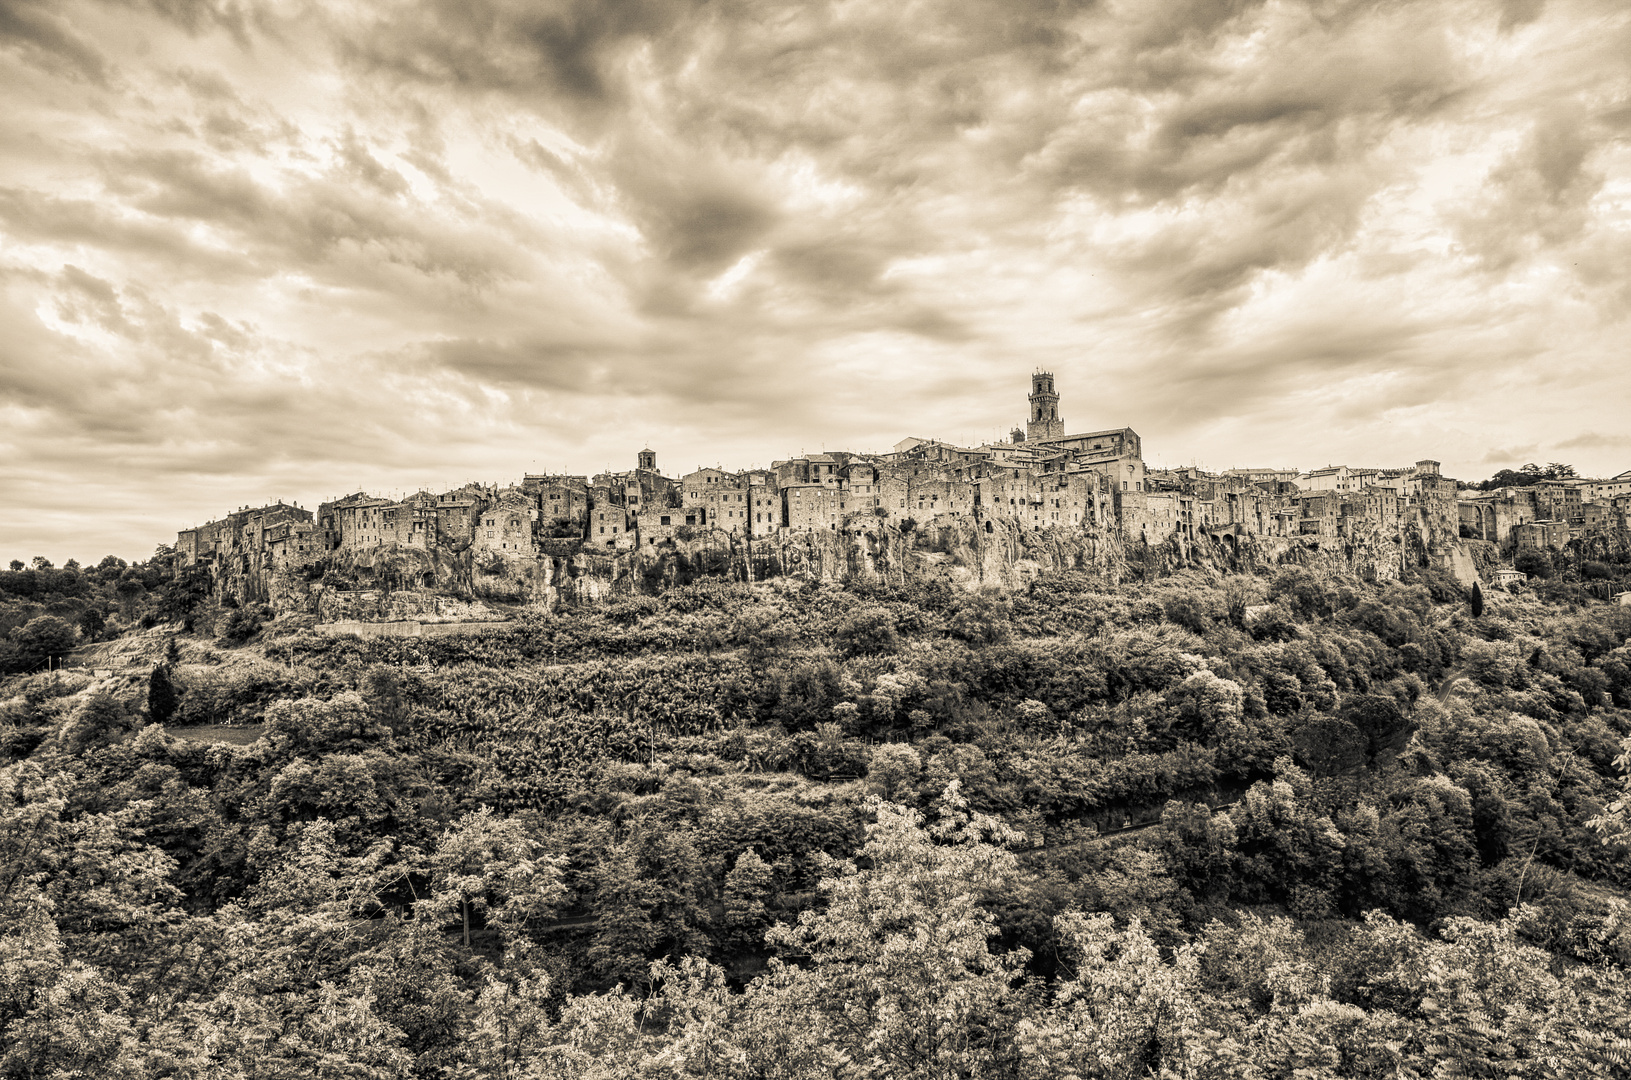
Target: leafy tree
{"x":1614,"y":823}
{"x":1329,"y":746}
{"x":490,"y":865}
{"x":747,"y":886}
{"x":91,"y":622}
{"x":185,"y":593}
{"x":1199,"y":846}
{"x":1288,"y":851}
{"x":650,"y":895}
{"x":893,"y":772}
{"x":1535,"y":563}
{"x":1381,"y":721}
{"x":900,"y":961}
{"x":1121,"y":1012}
{"x":44,"y":640}
{"x":870,"y":631}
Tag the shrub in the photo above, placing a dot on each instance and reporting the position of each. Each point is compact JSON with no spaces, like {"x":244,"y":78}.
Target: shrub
{"x":238,"y":626}
{"x":870,"y":631}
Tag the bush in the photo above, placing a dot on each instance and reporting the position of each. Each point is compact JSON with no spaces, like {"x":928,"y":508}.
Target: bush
{"x":238,"y":626}
{"x":1537,"y":564}
{"x":869,"y":632}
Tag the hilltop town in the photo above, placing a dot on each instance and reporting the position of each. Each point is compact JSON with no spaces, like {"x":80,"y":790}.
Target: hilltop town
{"x":1043,"y":479}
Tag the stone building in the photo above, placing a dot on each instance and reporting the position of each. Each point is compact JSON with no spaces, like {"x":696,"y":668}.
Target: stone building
{"x":507,"y":524}
{"x":1045,"y":479}
{"x":246,"y":536}
{"x":1042,"y":421}
{"x":609,"y":526}
{"x":1610,"y":489}
{"x":562,"y":503}
{"x":809,"y":506}
{"x":1542,"y":535}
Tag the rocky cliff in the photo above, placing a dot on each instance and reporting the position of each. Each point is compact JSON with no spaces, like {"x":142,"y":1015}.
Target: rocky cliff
{"x":395,"y":583}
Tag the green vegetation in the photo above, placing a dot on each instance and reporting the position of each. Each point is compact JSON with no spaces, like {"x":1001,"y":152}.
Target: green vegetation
{"x":1527,"y":476}
{"x":1284,"y":825}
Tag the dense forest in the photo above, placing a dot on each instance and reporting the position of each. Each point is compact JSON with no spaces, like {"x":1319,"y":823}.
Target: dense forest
{"x":1275,"y":824}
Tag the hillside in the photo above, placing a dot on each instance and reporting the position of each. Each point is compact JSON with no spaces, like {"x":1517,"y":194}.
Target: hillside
{"x":1261,"y":812}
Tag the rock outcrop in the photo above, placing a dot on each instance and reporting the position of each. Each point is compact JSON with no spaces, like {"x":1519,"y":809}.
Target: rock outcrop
{"x":392,"y":583}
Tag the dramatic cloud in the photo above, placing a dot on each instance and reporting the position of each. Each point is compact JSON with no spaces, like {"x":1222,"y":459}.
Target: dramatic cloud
{"x":289,"y":249}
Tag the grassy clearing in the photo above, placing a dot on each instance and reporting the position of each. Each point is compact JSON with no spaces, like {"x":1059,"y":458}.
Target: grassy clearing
{"x":241,"y":735}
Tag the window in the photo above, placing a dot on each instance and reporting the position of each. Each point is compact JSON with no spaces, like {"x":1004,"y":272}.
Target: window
{"x":664,"y":520}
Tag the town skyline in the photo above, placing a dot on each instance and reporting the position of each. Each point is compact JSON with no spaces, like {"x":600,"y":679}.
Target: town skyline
{"x":287,"y":250}
{"x":310,"y":500}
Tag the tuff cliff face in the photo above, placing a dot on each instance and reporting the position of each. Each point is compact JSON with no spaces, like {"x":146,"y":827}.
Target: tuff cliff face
{"x":1376,"y":551}
{"x":397,"y":583}
{"x":392,"y":582}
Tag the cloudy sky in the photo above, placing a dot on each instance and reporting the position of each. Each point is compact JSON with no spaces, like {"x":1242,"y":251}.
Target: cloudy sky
{"x":252,"y":251}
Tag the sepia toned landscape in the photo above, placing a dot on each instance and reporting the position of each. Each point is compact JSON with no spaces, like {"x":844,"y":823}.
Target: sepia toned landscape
{"x":950,"y":541}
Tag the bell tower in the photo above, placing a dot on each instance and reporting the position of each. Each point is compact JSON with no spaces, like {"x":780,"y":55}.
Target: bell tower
{"x":1043,"y":420}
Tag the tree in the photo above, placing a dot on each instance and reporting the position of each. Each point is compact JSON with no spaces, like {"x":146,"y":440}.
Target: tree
{"x":1121,"y":1012}
{"x":900,"y":958}
{"x":1477,"y":600}
{"x":184,"y":594}
{"x":1614,"y":823}
{"x":1287,"y":851}
{"x":129,"y":590}
{"x":651,"y":895}
{"x":1384,"y":724}
{"x":868,"y":632}
{"x":747,"y":886}
{"x":893,"y":772}
{"x":162,"y":698}
{"x":238,"y":626}
{"x":100,"y":719}
{"x":44,"y":640}
{"x":489,"y":864}
{"x":1199,"y":846}
{"x":91,"y":622}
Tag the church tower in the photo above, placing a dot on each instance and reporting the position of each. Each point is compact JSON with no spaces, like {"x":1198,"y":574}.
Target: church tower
{"x":1043,"y":421}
